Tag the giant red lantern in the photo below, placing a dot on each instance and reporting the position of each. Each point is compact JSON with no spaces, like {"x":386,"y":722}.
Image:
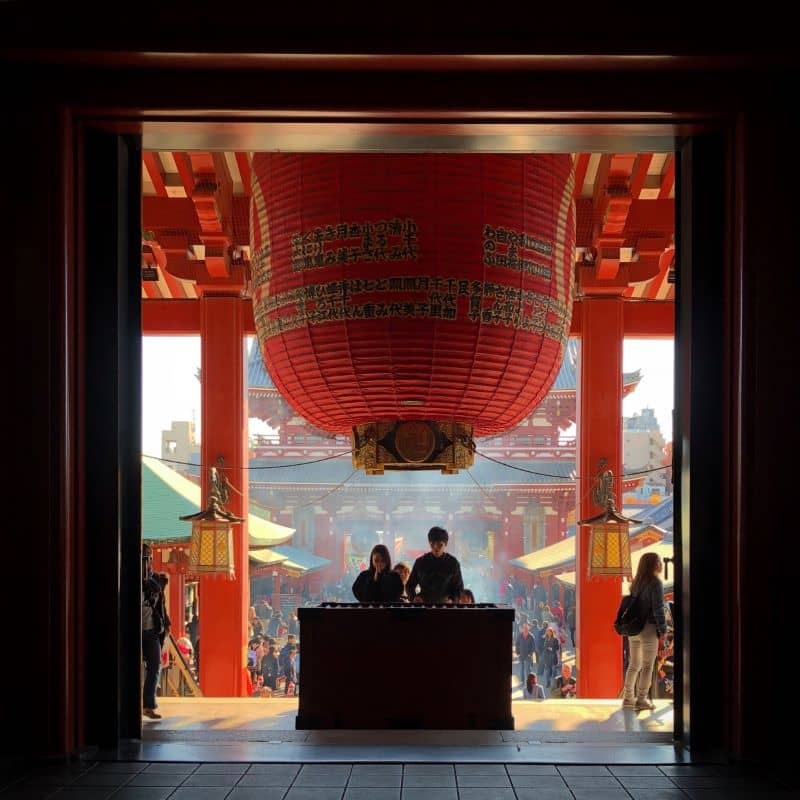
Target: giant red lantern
{"x":413,"y":300}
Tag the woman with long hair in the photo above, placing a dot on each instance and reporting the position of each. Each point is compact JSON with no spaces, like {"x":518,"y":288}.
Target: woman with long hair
{"x":378,"y":584}
{"x":648,"y":590}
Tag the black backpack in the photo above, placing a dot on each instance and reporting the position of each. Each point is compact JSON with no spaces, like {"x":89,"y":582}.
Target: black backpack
{"x":631,"y":617}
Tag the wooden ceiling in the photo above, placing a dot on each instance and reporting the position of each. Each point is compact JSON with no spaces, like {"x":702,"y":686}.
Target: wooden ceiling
{"x":196,"y":224}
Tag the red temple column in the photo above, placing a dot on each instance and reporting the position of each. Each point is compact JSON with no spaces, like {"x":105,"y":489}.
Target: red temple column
{"x":223,"y":603}
{"x":176,"y":601}
{"x":599,"y":658}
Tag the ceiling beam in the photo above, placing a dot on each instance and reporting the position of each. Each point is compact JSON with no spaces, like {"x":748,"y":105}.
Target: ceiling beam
{"x":163,"y":317}
{"x":152,"y":163}
{"x":667,"y":179}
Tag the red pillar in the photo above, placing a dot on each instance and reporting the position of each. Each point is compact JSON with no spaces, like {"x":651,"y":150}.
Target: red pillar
{"x":176,"y":603}
{"x":599,"y":657}
{"x":223,"y":603}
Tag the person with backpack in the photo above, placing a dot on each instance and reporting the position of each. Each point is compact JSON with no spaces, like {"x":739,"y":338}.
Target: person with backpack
{"x":642,"y":619}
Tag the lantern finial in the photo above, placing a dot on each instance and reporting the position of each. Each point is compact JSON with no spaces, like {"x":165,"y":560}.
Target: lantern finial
{"x":603,"y":495}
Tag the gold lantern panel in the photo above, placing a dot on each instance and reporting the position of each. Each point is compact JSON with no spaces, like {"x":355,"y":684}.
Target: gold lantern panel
{"x":610,"y":550}
{"x":211,"y":550}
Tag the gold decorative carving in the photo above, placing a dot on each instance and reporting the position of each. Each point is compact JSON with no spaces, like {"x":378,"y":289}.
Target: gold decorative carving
{"x":413,"y":444}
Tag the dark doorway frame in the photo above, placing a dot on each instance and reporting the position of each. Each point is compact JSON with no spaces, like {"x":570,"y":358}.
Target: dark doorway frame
{"x":111,"y":186}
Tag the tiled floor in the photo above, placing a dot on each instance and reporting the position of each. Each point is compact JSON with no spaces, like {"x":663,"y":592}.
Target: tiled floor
{"x":123,"y":780}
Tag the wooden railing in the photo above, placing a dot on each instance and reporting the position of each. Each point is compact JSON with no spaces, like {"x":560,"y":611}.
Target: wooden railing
{"x":178,"y":679}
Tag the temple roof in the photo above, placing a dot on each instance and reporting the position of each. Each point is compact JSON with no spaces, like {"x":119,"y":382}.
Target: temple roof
{"x":656,"y":516}
{"x":257,"y":375}
{"x":553,"y":555}
{"x":566,"y":381}
{"x":291,"y":560}
{"x":167,"y":495}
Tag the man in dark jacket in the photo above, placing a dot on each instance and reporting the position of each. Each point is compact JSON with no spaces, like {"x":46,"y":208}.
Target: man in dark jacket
{"x":526,"y":647}
{"x":438,"y":574}
{"x":291,"y":644}
{"x":270,"y":668}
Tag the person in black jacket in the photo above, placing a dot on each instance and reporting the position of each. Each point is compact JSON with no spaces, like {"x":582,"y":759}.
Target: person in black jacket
{"x":438,"y":574}
{"x":526,"y":647}
{"x":378,"y":584}
{"x":270,"y":668}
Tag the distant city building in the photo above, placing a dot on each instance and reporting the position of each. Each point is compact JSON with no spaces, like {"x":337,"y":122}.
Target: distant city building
{"x":643,"y":449}
{"x":179,"y":443}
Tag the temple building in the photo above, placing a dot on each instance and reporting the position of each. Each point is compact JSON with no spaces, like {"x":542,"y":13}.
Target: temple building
{"x":496,"y":515}
{"x":152,"y":156}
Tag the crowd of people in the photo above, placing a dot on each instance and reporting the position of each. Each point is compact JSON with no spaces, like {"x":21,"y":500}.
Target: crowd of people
{"x":541,"y":630}
{"x":274,"y":667}
{"x":539,"y":645}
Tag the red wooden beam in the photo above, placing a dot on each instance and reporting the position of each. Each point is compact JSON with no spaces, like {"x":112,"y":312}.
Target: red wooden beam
{"x":652,"y":289}
{"x":152,"y":164}
{"x":581,"y":166}
{"x":176,"y":290}
{"x":667,"y":179}
{"x":173,"y":213}
{"x":184,"y":165}
{"x":653,"y":320}
{"x":182,"y":317}
{"x":151,"y":290}
{"x":639,"y":174}
{"x":243,"y":162}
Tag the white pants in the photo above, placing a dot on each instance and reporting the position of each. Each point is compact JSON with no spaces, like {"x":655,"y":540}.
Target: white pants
{"x":643,"y":652}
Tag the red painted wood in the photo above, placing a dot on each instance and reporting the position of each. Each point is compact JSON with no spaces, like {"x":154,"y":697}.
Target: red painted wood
{"x":581,"y":165}
{"x":243,"y":162}
{"x":654,"y":320}
{"x":153,"y":166}
{"x":184,"y":166}
{"x":639,"y":174}
{"x":656,"y":283}
{"x":599,"y":655}
{"x":668,"y":179}
{"x":223,"y":603}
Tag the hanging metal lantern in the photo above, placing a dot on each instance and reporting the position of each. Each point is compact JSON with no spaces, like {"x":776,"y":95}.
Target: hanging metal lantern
{"x":414,"y":301}
{"x":211,"y":550}
{"x":609,"y":537}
